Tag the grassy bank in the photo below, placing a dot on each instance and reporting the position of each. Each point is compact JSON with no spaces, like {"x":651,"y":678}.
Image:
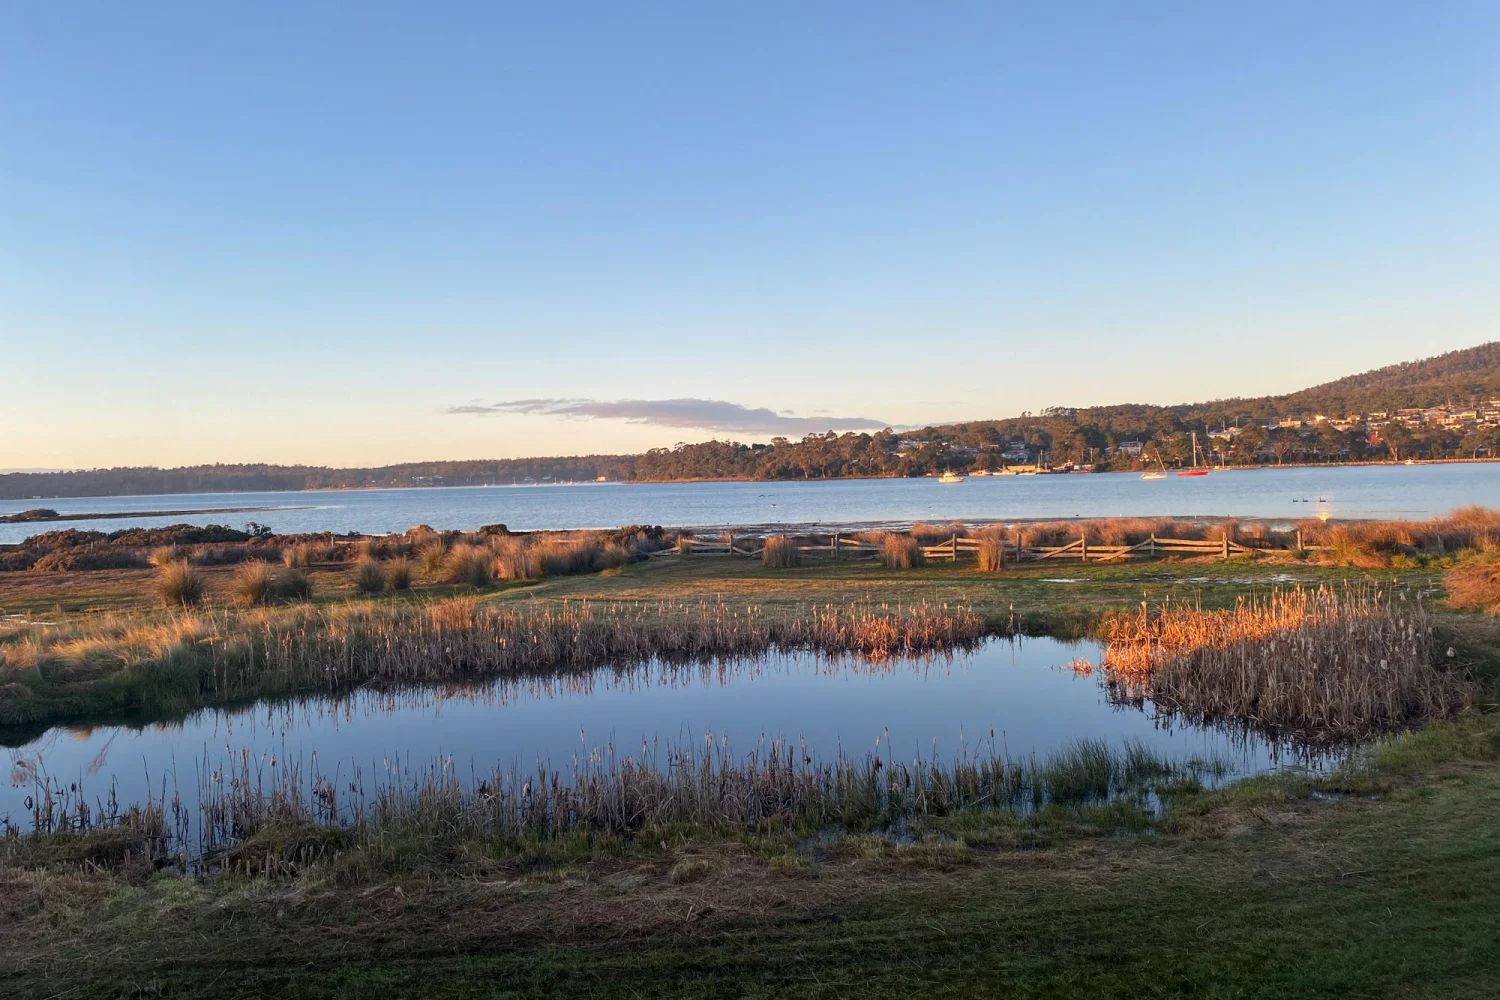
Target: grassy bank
{"x":110,"y":652}
{"x":1271,"y":888}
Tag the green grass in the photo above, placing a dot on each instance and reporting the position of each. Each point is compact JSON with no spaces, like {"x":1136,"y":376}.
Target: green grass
{"x":1289,"y":896}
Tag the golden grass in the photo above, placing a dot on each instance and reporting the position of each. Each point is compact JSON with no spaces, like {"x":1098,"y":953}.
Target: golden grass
{"x":780,"y":552}
{"x":177,"y":583}
{"x":1327,"y":664}
{"x":369,"y":575}
{"x":398,"y":573}
{"x":251,"y":584}
{"x":1474,"y":585}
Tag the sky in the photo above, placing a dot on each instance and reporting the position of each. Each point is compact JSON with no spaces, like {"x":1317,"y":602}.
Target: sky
{"x":355,"y":234}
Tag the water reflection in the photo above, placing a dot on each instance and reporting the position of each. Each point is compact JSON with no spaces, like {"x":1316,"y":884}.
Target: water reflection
{"x":1034,"y":695}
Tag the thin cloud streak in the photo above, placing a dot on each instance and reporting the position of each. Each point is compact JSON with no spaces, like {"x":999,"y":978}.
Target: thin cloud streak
{"x":708,"y":414}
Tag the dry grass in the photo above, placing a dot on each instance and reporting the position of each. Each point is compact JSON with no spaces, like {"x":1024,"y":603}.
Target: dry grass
{"x":934,"y":534}
{"x":251,"y":584}
{"x":901,"y":552}
{"x":178,"y":584}
{"x":780,"y":552}
{"x":369,"y":575}
{"x":297,"y":556}
{"x":1474,"y":585}
{"x":1326,"y":664}
{"x":991,"y":554}
{"x":468,"y":564}
{"x":398,"y":573}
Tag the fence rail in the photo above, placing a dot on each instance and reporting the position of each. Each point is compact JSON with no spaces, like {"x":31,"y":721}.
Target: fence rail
{"x":1013,"y":551}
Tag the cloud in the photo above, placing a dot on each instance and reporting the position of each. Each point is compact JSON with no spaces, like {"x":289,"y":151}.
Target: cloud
{"x":709,"y":414}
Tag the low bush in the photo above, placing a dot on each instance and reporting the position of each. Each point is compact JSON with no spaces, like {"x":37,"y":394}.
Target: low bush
{"x":781,"y":552}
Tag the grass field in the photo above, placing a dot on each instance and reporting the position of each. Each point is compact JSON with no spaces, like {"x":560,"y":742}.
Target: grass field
{"x":1381,"y":882}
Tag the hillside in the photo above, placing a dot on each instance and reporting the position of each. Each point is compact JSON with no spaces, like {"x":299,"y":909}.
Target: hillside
{"x":1059,"y":434}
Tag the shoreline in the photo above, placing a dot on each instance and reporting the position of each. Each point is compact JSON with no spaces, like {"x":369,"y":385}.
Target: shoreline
{"x":121,"y":514}
{"x":725,"y":479}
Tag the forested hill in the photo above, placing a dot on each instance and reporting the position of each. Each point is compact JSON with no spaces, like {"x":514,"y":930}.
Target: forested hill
{"x":1058,"y":435}
{"x":1458,"y":377}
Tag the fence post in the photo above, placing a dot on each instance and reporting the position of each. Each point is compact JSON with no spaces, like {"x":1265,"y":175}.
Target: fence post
{"x":1299,"y":539}
{"x":1226,"y":544}
{"x":1153,"y":543}
{"x":953,"y":545}
{"x":835,"y":546}
{"x":1083,"y":547}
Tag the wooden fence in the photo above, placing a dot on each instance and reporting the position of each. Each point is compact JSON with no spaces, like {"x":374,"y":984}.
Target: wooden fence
{"x":1014,"y":551}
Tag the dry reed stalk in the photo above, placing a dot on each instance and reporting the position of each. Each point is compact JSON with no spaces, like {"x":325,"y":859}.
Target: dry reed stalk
{"x":1325,"y":664}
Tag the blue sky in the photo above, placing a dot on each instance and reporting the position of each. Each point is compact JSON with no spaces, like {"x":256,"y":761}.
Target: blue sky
{"x":311,"y":232}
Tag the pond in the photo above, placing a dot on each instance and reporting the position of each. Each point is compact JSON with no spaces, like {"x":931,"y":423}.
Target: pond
{"x":1036,"y":696}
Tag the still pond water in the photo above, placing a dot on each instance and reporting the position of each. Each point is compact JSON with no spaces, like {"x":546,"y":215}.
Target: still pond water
{"x":1024,"y":690}
{"x":1416,"y":492}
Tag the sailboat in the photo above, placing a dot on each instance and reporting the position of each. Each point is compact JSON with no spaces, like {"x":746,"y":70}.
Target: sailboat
{"x":1153,"y":473}
{"x":1194,"y":471}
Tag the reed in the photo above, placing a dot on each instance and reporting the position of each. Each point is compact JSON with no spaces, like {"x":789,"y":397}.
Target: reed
{"x":178,"y":584}
{"x":1326,"y":664}
{"x":251,"y":584}
{"x":369,"y":576}
{"x":398,"y":573}
{"x":272,"y":818}
{"x":780,"y":552}
{"x":934,"y":534}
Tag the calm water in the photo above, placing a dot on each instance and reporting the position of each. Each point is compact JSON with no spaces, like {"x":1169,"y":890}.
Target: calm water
{"x":1024,"y":690}
{"x":1418,"y":492}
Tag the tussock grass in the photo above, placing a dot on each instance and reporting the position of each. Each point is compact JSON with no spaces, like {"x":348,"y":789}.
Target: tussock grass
{"x":991,"y":553}
{"x":468,"y":564}
{"x":398,"y":573}
{"x":1474,"y":585}
{"x":297,"y":556}
{"x":251,"y":584}
{"x":934,"y":534}
{"x":369,"y":576}
{"x":901,"y":552}
{"x":178,"y":584}
{"x":294,"y":585}
{"x":780,"y":552}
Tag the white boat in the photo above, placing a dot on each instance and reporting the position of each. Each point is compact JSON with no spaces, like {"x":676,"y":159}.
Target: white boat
{"x":950,"y":477}
{"x":1153,"y":473}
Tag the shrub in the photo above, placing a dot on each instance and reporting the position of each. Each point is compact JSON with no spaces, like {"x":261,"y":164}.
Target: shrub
{"x":369,"y":576}
{"x":297,"y":556}
{"x":901,"y":552}
{"x":780,"y":552}
{"x":178,"y":584}
{"x":294,"y":586}
{"x":251,"y":583}
{"x":398,"y":573}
